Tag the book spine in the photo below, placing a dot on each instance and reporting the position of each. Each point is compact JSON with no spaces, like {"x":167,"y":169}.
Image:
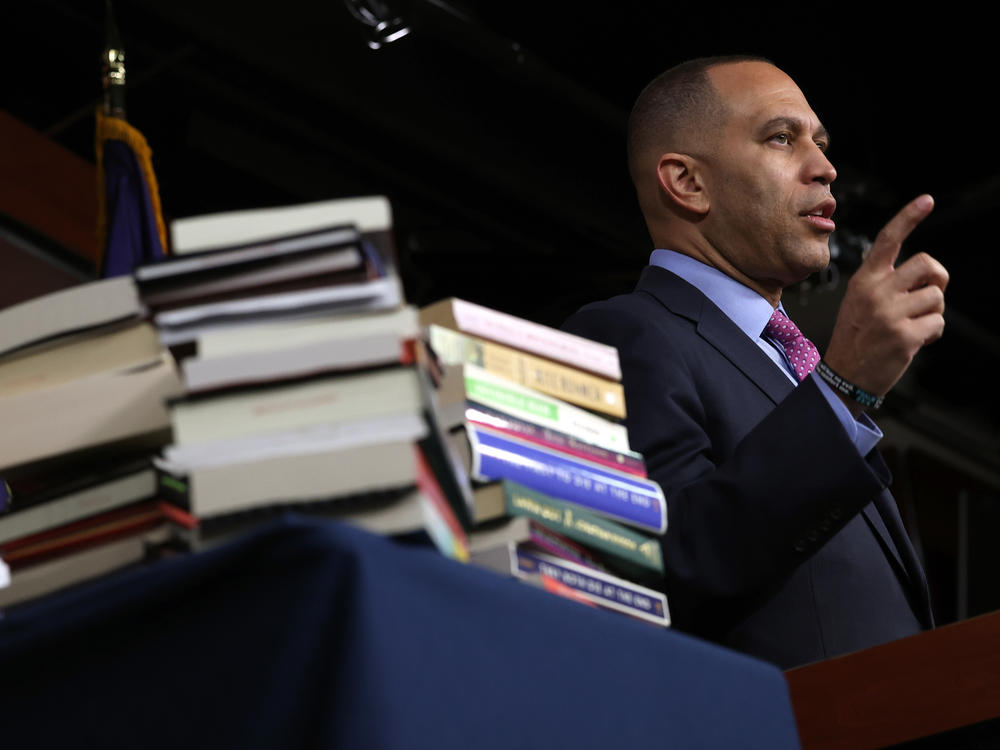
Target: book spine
{"x":379,"y":294}
{"x":442,"y":524}
{"x":604,"y":590}
{"x":566,"y":383}
{"x":554,"y":543}
{"x":545,"y":411}
{"x":583,"y":526}
{"x":448,"y":466}
{"x":629,"y":499}
{"x":260,"y":367}
{"x":547,"y":342}
{"x":328,"y":400}
{"x":235,"y":257}
{"x":627,"y":461}
{"x":100,"y":529}
{"x":87,"y":502}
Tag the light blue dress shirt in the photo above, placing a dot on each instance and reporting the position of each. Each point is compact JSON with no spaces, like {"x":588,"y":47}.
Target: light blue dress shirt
{"x":750,"y":312}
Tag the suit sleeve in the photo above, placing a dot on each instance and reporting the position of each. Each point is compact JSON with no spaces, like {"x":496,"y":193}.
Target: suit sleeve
{"x":744,"y":508}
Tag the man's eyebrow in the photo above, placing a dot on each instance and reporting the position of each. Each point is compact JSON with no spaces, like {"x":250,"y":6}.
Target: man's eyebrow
{"x":795,"y":126}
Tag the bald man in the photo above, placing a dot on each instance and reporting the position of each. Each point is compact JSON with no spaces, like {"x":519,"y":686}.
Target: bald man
{"x":782,"y":541}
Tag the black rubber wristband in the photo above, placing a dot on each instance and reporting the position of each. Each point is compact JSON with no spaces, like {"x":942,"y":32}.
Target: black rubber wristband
{"x":863,"y":397}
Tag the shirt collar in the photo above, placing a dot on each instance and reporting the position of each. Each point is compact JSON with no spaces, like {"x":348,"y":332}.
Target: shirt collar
{"x":741,"y":304}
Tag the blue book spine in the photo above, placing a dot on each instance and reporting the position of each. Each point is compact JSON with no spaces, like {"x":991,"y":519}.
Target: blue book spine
{"x":607,"y":591}
{"x":624,"y":497}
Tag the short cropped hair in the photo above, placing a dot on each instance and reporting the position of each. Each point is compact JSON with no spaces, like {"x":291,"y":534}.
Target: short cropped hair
{"x":676,"y":107}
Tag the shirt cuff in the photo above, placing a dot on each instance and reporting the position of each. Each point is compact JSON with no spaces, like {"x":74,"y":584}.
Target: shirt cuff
{"x":864,"y":433}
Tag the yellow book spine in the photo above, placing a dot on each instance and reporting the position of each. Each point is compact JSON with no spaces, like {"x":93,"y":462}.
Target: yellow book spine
{"x":543,"y":375}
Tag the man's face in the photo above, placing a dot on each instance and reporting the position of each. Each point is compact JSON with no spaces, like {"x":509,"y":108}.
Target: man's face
{"x":768,"y":182}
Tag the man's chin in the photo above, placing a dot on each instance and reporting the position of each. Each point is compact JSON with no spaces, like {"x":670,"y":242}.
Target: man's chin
{"x":813,"y":260}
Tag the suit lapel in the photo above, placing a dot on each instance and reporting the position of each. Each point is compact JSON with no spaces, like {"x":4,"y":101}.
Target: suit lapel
{"x":878,"y":524}
{"x":717,"y":329}
{"x":884,"y":509}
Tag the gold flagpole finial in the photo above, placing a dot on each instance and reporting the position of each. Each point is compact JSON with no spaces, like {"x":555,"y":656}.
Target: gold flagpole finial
{"x":113,"y":67}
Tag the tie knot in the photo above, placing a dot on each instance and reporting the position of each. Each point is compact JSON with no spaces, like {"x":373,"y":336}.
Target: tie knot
{"x":801,"y":352}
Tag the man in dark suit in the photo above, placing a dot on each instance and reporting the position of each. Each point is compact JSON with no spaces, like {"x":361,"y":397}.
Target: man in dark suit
{"x":782,"y":538}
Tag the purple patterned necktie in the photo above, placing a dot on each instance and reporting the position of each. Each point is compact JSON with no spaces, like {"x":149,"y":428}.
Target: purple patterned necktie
{"x":801,"y":352}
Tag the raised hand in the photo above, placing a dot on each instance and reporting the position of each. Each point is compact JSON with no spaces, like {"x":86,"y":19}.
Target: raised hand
{"x":888,"y":312}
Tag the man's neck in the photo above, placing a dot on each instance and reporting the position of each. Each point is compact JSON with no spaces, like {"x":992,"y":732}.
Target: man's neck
{"x":706,"y":254}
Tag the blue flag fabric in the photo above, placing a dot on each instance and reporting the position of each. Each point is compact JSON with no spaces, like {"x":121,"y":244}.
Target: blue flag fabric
{"x":132,"y":239}
{"x":130,"y":226}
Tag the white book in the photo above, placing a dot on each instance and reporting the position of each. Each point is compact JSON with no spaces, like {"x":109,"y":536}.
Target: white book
{"x":68,"y":310}
{"x":192,"y":234}
{"x":46,"y":577}
{"x":240,"y":255}
{"x":526,"y":335}
{"x":83,"y":503}
{"x":271,"y":351}
{"x":187,"y":323}
{"x":297,"y":405}
{"x":339,"y":260}
{"x":280,"y":336}
{"x":87,"y":392}
{"x":320,"y":475}
{"x":181,"y":459}
{"x":469,"y":382}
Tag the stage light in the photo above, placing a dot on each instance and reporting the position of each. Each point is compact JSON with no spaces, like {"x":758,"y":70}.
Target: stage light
{"x":383,"y":25}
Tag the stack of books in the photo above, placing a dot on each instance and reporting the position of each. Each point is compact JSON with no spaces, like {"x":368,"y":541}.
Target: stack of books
{"x":301,"y":387}
{"x":83,"y":385}
{"x":560,"y":499}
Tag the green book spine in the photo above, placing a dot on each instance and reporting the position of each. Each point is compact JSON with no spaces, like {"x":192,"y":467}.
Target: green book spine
{"x":585,"y":527}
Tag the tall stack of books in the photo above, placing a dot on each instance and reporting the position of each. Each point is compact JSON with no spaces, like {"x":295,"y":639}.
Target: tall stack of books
{"x":560,"y":499}
{"x":83,"y":381}
{"x":301,"y":389}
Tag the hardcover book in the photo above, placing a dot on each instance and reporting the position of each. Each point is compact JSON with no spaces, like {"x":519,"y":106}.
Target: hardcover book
{"x":622,"y":460}
{"x":307,"y":471}
{"x":293,"y":350}
{"x":296,"y":405}
{"x":462,"y":384}
{"x":185,"y":324}
{"x":93,"y":531}
{"x":623,"y":497}
{"x":520,"y":530}
{"x":477,"y":320}
{"x":369,"y":214}
{"x":43,"y":578}
{"x":100,"y":494}
{"x":571,"y":520}
{"x":92,"y":390}
{"x":79,"y":308}
{"x":544,"y":375}
{"x":602,"y":589}
{"x":415,"y":504}
{"x":229,"y":262}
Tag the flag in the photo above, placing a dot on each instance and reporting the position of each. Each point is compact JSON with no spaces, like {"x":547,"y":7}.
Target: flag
{"x":130,"y":226}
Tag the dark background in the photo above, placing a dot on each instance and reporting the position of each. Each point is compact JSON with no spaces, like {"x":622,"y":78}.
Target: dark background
{"x":497,"y":131}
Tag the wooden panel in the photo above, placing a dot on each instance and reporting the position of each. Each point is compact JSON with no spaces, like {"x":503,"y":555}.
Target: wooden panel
{"x":48,"y":188}
{"x":911,"y":688}
{"x":27,"y":274}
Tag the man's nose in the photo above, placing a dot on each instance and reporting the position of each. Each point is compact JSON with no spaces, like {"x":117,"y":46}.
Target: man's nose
{"x":821,"y":168}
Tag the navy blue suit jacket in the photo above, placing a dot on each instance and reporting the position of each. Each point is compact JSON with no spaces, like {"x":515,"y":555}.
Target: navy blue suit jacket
{"x":782,"y":541}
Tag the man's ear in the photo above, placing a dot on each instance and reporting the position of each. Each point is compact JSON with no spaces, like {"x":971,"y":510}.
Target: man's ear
{"x":681,"y":182}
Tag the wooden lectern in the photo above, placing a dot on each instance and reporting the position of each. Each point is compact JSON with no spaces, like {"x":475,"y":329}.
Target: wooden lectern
{"x":942,"y":682}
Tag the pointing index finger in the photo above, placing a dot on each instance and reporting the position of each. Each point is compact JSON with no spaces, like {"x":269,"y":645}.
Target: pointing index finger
{"x":886,"y":247}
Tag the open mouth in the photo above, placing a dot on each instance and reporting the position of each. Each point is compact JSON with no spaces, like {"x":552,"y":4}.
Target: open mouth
{"x":819,"y":215}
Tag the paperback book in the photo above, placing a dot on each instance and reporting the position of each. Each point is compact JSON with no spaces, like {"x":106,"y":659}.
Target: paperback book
{"x":626,"y":498}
